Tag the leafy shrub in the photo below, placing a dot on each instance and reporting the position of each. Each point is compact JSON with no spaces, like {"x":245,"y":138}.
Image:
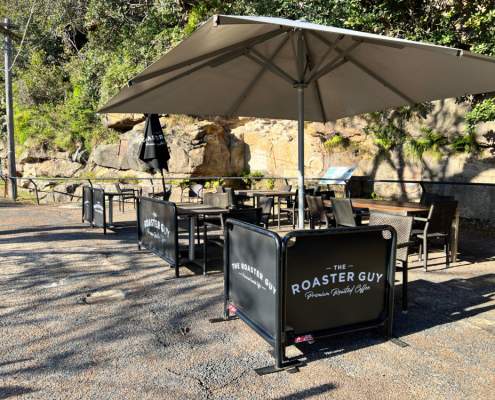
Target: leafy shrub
{"x":466,"y":143}
{"x":430,"y":141}
{"x":336,"y":141}
{"x":481,"y":112}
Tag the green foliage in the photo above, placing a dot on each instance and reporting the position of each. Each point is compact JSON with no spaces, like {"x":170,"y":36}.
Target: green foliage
{"x":213,"y":184}
{"x":44,"y":82}
{"x":388,"y":128}
{"x":481,"y":112}
{"x":430,"y":141}
{"x":466,"y":143}
{"x":270,"y":183}
{"x":79,"y":53}
{"x":251,"y":177}
{"x":336,"y":141}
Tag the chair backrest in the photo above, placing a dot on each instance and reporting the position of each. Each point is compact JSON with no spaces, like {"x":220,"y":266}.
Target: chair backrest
{"x":325,"y":194}
{"x":316,"y":209}
{"x":220,"y":200}
{"x":342,"y":212}
{"x":231,"y":196}
{"x":167,"y":193}
{"x":402,"y":225}
{"x":442,"y":214}
{"x":427,"y":199}
{"x":118,"y":188}
{"x":249,"y":215}
{"x":266,"y":205}
{"x":286,"y":188}
{"x":196,"y":190}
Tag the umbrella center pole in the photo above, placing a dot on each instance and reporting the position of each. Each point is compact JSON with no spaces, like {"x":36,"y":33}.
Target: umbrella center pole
{"x":300,"y":154}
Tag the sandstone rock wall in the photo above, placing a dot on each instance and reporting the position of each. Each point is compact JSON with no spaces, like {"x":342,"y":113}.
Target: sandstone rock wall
{"x":230,"y":147}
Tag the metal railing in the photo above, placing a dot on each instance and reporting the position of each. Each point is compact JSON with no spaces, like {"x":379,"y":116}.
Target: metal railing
{"x":476,"y":199}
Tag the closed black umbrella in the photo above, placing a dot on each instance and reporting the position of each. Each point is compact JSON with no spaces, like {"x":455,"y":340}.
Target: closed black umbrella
{"x":154,"y":150}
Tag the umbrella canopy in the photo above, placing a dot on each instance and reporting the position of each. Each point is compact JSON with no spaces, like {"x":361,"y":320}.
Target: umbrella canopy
{"x":278,"y":68}
{"x":154,"y":150}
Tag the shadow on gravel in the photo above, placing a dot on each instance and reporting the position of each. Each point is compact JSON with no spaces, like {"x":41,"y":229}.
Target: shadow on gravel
{"x":431,"y":304}
{"x":308,"y":393}
{"x":14,"y":391}
{"x":39,"y":228}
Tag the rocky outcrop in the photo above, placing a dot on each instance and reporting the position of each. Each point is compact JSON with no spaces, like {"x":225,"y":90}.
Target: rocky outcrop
{"x":199,"y":148}
{"x":121,"y":122}
{"x":37,"y":155}
{"x":52,"y":168}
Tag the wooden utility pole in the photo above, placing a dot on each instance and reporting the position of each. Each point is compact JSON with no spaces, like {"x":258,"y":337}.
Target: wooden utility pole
{"x":7,"y":27}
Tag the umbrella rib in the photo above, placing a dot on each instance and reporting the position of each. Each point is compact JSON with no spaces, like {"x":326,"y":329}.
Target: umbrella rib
{"x":262,"y":60}
{"x":327,"y":53}
{"x":316,"y":84}
{"x":233,"y":109}
{"x":342,"y":58}
{"x":237,"y":46}
{"x":368,"y":71}
{"x":215,"y":62}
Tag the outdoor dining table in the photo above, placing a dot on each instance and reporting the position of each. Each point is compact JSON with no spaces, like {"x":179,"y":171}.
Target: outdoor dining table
{"x":278,"y":194}
{"x":404,"y":208}
{"x":192,"y":212}
{"x":390,"y":206}
{"x":110,"y":196}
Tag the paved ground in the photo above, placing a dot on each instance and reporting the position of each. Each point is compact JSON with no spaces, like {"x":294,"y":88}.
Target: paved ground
{"x":157,"y":343}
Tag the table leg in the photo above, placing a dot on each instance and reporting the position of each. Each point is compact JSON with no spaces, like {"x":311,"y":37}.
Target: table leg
{"x":110,"y":210}
{"x":278,"y":211}
{"x":192,"y":231}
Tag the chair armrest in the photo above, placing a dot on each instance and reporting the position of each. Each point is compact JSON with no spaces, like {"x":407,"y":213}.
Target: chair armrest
{"x":406,"y":244}
{"x":420,"y":219}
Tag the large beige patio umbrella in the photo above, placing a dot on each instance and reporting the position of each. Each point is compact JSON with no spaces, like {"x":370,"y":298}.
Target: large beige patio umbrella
{"x":277,"y":68}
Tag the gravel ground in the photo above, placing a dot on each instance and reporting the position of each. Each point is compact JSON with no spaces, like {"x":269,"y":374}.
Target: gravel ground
{"x":155,"y":341}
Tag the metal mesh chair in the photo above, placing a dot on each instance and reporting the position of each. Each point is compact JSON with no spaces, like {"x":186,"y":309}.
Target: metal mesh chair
{"x":291,"y":208}
{"x":403,"y":227}
{"x":343,"y":213}
{"x":325,"y":194}
{"x":438,"y":225}
{"x":125,"y":194}
{"x":266,"y":204}
{"x":164,"y":195}
{"x":220,"y":200}
{"x":317,"y":213}
{"x":196,"y":192}
{"x":249,"y":215}
{"x":427,"y":199}
{"x":231,"y":196}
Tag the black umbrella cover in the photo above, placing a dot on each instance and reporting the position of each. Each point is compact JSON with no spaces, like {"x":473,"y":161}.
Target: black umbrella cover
{"x":154,"y":150}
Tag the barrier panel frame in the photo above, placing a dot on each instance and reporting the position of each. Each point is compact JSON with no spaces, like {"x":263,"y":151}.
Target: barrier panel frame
{"x":386,"y":318}
{"x":84,"y":217}
{"x":284,"y":336}
{"x":174,"y":262}
{"x":104,"y":209}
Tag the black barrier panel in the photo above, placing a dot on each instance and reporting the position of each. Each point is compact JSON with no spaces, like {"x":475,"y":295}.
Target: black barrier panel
{"x":157,"y":228}
{"x":99,"y":208}
{"x":87,"y":204}
{"x":252,"y":265}
{"x":309,"y":285}
{"x":337,"y":278}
